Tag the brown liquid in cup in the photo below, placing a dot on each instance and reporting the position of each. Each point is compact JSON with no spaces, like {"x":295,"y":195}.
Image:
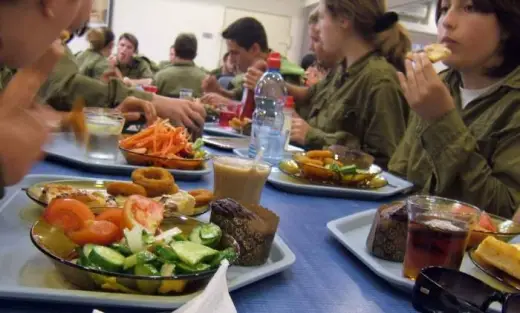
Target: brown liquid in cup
{"x":240,"y":179}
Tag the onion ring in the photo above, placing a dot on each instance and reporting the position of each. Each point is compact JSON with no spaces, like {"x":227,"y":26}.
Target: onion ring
{"x":202,"y":196}
{"x":125,"y":189}
{"x":155,"y":180}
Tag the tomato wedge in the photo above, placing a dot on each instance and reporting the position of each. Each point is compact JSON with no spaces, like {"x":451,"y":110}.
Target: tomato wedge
{"x":486,"y":222}
{"x":68,"y":214}
{"x":114,"y":215}
{"x":96,"y":232}
{"x":139,"y":210}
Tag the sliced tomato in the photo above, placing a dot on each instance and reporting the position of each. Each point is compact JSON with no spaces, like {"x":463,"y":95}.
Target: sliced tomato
{"x":68,"y":214}
{"x":114,"y":215}
{"x":139,"y":210}
{"x":462,"y":209}
{"x":486,"y":222}
{"x":96,"y":232}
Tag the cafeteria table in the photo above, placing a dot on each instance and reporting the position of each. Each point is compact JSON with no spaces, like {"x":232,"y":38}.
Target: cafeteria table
{"x":325,"y":278}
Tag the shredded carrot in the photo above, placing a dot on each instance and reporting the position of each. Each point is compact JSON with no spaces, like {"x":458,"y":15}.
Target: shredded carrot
{"x":161,"y":139}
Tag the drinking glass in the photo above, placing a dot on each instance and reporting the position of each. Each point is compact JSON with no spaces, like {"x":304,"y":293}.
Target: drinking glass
{"x":104,"y":128}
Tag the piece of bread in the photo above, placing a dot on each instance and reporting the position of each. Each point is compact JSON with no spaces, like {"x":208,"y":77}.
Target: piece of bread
{"x":436,"y":52}
{"x":501,"y":255}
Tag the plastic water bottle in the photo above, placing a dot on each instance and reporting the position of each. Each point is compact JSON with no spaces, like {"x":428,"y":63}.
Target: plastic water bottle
{"x":268,"y":118}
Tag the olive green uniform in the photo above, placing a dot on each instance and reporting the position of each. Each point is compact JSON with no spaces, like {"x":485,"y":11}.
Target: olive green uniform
{"x":65,"y":85}
{"x":361,"y":107}
{"x":163,"y":65}
{"x":139,"y":68}
{"x":292,"y":73}
{"x":470,"y":154}
{"x":92,"y":64}
{"x":181,"y":75}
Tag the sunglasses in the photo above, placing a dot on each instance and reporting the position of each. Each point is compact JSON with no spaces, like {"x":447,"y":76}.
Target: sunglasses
{"x":445,"y":290}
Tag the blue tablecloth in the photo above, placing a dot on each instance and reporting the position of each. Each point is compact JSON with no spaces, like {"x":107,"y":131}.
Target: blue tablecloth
{"x":325,"y":277}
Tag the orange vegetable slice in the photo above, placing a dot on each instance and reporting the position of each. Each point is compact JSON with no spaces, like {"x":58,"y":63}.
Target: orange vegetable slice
{"x":96,"y":232}
{"x":68,"y":214}
{"x":139,"y":210}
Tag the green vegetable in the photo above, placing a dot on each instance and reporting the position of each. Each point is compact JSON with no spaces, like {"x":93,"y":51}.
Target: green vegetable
{"x":147,"y":286}
{"x":198,"y":144}
{"x":166,"y":253}
{"x":206,"y":234}
{"x":121,"y":248}
{"x":349,"y":169}
{"x":147,"y":238}
{"x":184,"y":268}
{"x":226,"y":254}
{"x":106,"y":258}
{"x":192,"y":253}
{"x":167,"y":269}
{"x":142,"y":257}
{"x":180,"y":237}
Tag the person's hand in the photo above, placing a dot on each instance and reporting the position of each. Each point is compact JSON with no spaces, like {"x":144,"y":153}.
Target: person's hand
{"x":27,"y":127}
{"x":215,"y":100}
{"x":210,"y":84}
{"x":112,"y":61}
{"x":111,"y":73}
{"x":46,"y":63}
{"x":425,"y":92}
{"x":191,"y":114}
{"x":299,"y":130}
{"x":254,"y":73}
{"x":132,"y":108}
{"x":128,"y":82}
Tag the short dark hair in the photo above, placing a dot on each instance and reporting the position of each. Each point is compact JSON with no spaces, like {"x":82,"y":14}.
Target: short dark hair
{"x":308,"y":60}
{"x":132,"y":38}
{"x":508,"y":16}
{"x":186,"y":46}
{"x":246,"y":32}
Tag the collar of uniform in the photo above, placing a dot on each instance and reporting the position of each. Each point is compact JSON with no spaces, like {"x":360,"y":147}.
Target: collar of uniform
{"x":133,"y":64}
{"x":453,"y":79}
{"x":358,"y":65}
{"x":183,"y":63}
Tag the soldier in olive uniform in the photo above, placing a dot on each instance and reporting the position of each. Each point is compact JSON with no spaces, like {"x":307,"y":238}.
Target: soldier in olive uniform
{"x":463,"y":141}
{"x":183,"y":74}
{"x":246,"y":40}
{"x":24,"y":124}
{"x":360,"y":103}
{"x":165,"y":64}
{"x":93,"y":61}
{"x":136,"y":70}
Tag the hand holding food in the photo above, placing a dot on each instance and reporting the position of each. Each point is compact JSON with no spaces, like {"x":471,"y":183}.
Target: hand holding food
{"x":215,"y":100}
{"x":435,"y":52}
{"x":210,"y":84}
{"x":132,"y":108}
{"x":299,"y":130}
{"x":180,"y":112}
{"x":425,"y":92}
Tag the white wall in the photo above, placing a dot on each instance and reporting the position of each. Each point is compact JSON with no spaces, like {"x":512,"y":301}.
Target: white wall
{"x":167,"y":18}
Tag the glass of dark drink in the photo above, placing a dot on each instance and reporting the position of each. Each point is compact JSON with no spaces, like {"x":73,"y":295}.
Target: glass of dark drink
{"x":438,"y":233}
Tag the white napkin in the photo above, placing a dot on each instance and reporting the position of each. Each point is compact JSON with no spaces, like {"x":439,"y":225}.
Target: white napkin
{"x":215,"y":298}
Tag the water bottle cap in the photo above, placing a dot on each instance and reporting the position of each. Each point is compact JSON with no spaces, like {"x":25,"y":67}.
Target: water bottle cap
{"x":274,"y":61}
{"x":289,"y":102}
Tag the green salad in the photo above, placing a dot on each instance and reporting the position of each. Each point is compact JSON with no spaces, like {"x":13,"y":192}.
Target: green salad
{"x":168,"y":254}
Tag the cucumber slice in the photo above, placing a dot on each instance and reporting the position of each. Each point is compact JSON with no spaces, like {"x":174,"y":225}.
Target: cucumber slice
{"x":142,"y":257}
{"x":84,"y":254}
{"x":180,"y":237}
{"x":195,"y":235}
{"x":106,"y":258}
{"x":206,"y":234}
{"x":87,"y":249}
{"x":349,"y":169}
{"x":121,"y":248}
{"x":192,"y":253}
{"x":189,"y":269}
{"x":167,"y":269}
{"x":166,"y":253}
{"x":134,"y":239}
{"x":168,"y":235}
{"x":147,"y":286}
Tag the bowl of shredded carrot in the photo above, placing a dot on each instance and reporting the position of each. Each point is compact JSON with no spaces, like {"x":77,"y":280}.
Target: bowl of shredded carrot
{"x":164,"y":145}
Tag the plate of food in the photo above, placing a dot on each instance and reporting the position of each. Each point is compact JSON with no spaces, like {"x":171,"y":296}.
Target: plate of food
{"x":345,"y":173}
{"x":131,"y":250}
{"x":378,"y":239}
{"x":214,"y":129}
{"x":498,"y":259}
{"x":241,"y":126}
{"x":155,"y":183}
{"x":163,"y":145}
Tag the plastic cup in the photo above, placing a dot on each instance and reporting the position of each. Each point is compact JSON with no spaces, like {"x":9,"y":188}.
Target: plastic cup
{"x":104,"y":128}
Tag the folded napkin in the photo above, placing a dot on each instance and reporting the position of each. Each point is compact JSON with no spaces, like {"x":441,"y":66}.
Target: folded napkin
{"x":215,"y":298}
